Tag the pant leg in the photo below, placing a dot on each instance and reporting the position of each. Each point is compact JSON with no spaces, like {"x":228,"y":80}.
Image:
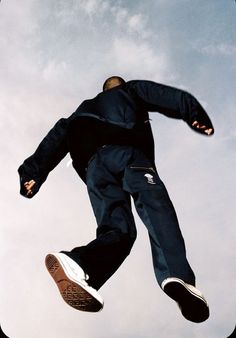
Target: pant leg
{"x":157,"y":213}
{"x":116,"y":230}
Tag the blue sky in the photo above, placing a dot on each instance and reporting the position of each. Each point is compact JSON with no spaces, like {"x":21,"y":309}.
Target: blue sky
{"x":54,"y":54}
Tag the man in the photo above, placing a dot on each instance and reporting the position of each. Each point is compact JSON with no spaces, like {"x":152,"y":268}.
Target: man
{"x":110,"y":141}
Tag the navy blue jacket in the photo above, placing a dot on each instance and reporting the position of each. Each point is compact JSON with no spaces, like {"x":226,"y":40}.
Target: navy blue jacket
{"x":116,"y":116}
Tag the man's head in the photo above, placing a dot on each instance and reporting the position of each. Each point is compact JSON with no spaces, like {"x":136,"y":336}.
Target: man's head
{"x":112,"y":81}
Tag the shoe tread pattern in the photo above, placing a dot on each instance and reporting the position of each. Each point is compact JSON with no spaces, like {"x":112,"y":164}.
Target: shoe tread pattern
{"x":72,"y":293}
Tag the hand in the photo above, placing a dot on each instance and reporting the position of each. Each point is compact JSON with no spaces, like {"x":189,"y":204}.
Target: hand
{"x":28,"y":186}
{"x":202,"y":128}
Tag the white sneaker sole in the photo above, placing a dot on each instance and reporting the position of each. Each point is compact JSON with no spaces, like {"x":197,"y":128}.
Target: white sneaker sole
{"x":193,"y":306}
{"x":75,"y":293}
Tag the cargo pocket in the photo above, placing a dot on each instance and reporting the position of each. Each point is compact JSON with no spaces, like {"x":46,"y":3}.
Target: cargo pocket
{"x":141,"y":177}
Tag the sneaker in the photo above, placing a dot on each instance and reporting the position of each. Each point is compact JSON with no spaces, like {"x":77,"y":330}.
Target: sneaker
{"x":71,"y":281}
{"x":191,"y":302}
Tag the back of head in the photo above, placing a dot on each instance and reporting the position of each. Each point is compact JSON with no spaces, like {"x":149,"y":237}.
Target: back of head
{"x":112,"y":82}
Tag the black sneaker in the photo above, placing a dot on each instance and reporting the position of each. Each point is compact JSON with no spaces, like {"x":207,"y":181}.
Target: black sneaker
{"x":191,"y":302}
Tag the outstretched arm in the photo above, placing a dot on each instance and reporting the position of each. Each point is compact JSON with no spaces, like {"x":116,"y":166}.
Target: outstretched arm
{"x":173,"y":102}
{"x":35,"y":169}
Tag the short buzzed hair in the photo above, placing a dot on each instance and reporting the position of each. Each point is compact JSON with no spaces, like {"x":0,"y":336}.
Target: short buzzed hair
{"x":108,"y":83}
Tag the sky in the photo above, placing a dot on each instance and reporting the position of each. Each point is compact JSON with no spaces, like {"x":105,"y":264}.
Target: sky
{"x":54,"y":54}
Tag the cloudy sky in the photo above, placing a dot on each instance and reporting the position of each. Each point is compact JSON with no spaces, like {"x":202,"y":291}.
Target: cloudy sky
{"x":54,"y":54}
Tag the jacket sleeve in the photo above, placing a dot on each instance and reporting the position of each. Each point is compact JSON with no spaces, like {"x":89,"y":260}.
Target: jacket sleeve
{"x":49,"y":153}
{"x":171,"y":102}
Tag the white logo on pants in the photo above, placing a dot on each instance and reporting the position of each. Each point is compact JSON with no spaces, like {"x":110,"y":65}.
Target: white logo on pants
{"x":149,"y":178}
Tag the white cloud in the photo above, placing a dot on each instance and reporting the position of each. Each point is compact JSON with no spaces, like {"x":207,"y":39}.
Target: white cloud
{"x":54,"y":70}
{"x":137,"y":24}
{"x":91,"y":6}
{"x":219,"y":49}
{"x":120,"y":14}
{"x":137,"y":59}
{"x":130,"y":23}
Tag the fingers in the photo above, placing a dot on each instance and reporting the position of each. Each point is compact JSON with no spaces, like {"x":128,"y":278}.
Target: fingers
{"x":28,"y":186}
{"x":209,"y":131}
{"x":202,"y":128}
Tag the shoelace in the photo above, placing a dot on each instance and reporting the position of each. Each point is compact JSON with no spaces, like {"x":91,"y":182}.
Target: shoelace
{"x":84,"y":278}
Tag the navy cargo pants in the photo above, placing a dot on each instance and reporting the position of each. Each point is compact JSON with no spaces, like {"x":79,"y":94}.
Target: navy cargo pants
{"x":114,"y":174}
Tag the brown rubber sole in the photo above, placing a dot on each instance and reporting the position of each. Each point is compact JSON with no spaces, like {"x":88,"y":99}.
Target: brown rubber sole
{"x":73,"y":293}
